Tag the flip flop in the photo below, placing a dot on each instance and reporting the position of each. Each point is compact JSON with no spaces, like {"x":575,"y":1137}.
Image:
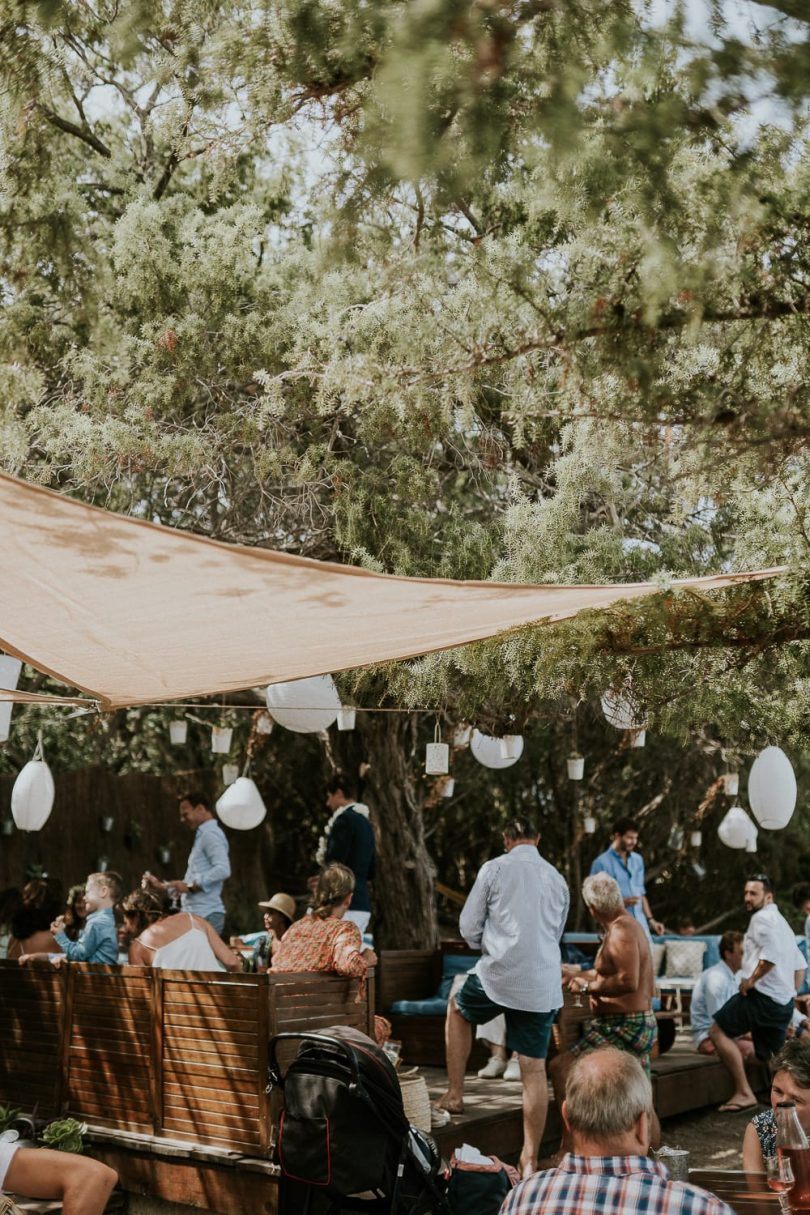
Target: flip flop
{"x":439,"y":1116}
{"x":733,"y":1107}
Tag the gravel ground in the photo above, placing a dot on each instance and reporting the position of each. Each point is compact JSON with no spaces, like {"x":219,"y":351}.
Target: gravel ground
{"x":714,"y":1141}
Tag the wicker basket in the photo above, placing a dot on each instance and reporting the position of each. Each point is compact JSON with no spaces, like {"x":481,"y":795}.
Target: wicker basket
{"x":415,"y":1098}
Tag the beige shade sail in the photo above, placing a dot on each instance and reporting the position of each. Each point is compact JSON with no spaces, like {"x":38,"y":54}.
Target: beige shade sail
{"x":134,"y":613}
{"x":35,"y":698}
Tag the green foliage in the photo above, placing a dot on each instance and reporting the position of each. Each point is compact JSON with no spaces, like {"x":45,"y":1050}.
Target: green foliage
{"x":64,"y":1135}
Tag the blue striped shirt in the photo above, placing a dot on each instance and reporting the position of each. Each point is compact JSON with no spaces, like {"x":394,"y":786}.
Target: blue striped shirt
{"x":208,"y":867}
{"x":609,"y":1185}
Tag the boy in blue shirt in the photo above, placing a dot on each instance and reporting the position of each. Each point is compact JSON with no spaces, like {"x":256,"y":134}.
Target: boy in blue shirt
{"x":98,"y":940}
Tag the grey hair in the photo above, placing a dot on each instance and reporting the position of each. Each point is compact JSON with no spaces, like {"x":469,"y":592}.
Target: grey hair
{"x":601,"y":893}
{"x":793,"y":1058}
{"x":606,"y":1093}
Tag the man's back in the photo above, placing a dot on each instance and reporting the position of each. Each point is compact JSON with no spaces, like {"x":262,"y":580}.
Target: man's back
{"x":351,"y":841}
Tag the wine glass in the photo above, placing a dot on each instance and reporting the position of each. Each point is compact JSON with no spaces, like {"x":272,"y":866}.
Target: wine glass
{"x":779,"y":1176}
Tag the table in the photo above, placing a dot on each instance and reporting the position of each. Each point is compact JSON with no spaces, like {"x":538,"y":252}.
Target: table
{"x":745,"y":1193}
{"x":678,"y":986}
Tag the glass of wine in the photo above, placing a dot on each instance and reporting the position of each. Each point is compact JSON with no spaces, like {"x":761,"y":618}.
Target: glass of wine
{"x":779,"y":1175}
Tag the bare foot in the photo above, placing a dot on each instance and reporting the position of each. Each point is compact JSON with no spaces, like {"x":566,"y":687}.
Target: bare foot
{"x":451,"y":1103}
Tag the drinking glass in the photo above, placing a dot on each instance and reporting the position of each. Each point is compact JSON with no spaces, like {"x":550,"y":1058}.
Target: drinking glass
{"x":779,"y":1175}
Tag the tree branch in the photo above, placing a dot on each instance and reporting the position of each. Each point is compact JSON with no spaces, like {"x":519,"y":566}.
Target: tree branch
{"x":71,"y":128}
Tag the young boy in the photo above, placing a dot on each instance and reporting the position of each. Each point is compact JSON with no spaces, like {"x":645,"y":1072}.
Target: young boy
{"x":98,"y":940}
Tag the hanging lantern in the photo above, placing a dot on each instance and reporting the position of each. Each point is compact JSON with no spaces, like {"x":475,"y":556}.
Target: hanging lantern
{"x":731,"y":783}
{"x":241,"y":805}
{"x":696,"y":839}
{"x":675,"y":838}
{"x":751,"y":842}
{"x":33,"y":793}
{"x":229,"y":773}
{"x":448,"y":786}
{"x":306,"y":706}
{"x":102,"y":864}
{"x":346,"y":717}
{"x":735,"y":829}
{"x":178,"y":733}
{"x":621,"y":711}
{"x":638,"y":738}
{"x":9,"y":674}
{"x":510,"y":744}
{"x":487,"y":750}
{"x":221,"y":739}
{"x":264,"y":723}
{"x":462,"y":735}
{"x":437,"y":755}
{"x":698,"y":869}
{"x":589,"y":825}
{"x":576,"y":767}
{"x":772,"y":789}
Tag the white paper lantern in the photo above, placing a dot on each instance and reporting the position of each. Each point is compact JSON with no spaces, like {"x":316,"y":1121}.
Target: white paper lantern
{"x":751,"y":842}
{"x":772,"y":789}
{"x":675,"y":838}
{"x":448,"y":786}
{"x":32,"y":796}
{"x":621,"y":711}
{"x":638,"y":738}
{"x":576,"y":767}
{"x":589,"y":825}
{"x":462,"y":735}
{"x":178,"y":733}
{"x":306,"y":706}
{"x":229,"y":773}
{"x":346,"y":717}
{"x":241,"y":805}
{"x":264,"y":723}
{"x":9,"y":674}
{"x":437,"y":758}
{"x":696,"y":839}
{"x":735,"y":829}
{"x":221,"y":739}
{"x":731,"y":783}
{"x":487,"y":750}
{"x":509,"y":745}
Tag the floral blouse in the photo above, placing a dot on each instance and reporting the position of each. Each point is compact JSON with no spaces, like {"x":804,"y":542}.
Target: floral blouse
{"x":314,"y":944}
{"x":765,"y":1126}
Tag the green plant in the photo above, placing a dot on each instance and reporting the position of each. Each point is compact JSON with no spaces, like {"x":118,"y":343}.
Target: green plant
{"x":8,"y":1116}
{"x":575,"y":755}
{"x":64,"y":1135}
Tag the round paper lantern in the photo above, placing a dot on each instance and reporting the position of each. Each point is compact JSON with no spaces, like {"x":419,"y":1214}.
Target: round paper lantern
{"x":487,"y":750}
{"x":32,"y":796}
{"x":9,"y":674}
{"x":306,"y":706}
{"x":241,"y":805}
{"x":735,"y":829}
{"x":621,"y":711}
{"x":772,"y":789}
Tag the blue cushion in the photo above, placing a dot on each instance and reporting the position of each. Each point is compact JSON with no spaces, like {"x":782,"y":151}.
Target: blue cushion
{"x":453,"y":964}
{"x":435,"y":1006}
{"x":711,"y":954}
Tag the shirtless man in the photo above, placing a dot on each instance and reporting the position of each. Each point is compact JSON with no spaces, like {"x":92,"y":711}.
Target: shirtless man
{"x":620,"y":986}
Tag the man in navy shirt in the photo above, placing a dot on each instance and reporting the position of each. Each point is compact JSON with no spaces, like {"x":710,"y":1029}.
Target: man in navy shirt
{"x":622,"y":862}
{"x":349,"y":839}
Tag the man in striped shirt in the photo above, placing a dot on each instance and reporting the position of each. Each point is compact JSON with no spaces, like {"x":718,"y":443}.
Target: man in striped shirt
{"x":607,"y":1110}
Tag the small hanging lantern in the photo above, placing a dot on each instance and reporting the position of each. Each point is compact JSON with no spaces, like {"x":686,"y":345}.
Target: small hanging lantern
{"x":731,"y":783}
{"x":264,"y":723}
{"x":9,"y":674}
{"x":107,"y":823}
{"x":178,"y":733}
{"x":102,"y":864}
{"x":576,"y":766}
{"x":696,"y":839}
{"x":437,"y":755}
{"x":33,"y":792}
{"x":346,"y":717}
{"x":589,"y":825}
{"x":229,"y":773}
{"x":221,"y":739}
{"x":511,"y":746}
{"x":638,"y":738}
{"x":448,"y":786}
{"x":462,"y":735}
{"x":735,"y":829}
{"x":241,"y":805}
{"x":675,"y":838}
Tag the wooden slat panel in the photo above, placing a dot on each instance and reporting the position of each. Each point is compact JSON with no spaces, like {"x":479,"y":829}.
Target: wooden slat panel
{"x":204,"y":1078}
{"x":214,"y":1097}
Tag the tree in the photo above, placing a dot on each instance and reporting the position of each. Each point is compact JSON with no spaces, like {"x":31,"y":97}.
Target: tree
{"x":486,"y":290}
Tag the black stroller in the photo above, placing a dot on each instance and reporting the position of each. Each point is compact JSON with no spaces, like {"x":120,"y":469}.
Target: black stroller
{"x":343,"y":1133}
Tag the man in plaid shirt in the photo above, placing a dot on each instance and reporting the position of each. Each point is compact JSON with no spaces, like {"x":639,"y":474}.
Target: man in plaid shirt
{"x":607,"y":1110}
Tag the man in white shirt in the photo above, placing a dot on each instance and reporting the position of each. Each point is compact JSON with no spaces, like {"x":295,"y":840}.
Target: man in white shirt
{"x":714,"y":987}
{"x":772,"y":970}
{"x":515,"y":914}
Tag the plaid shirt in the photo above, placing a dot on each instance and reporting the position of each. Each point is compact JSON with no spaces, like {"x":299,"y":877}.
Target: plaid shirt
{"x":609,"y":1185}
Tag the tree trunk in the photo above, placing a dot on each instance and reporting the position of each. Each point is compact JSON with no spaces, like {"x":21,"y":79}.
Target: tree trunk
{"x":403,"y":896}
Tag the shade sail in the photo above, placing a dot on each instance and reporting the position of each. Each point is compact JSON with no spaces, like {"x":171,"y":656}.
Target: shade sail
{"x":134,"y":613}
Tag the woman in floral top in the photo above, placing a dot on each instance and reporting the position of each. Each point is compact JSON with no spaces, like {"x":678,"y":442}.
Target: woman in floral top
{"x":791,"y":1082}
{"x":324,"y":941}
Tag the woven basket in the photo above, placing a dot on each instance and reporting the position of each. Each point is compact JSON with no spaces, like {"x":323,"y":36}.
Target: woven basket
{"x":415,"y":1098}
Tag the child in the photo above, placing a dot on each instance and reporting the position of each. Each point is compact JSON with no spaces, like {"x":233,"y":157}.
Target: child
{"x":98,"y":940}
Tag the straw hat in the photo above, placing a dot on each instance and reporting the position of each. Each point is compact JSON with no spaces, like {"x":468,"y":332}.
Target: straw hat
{"x":284,"y":903}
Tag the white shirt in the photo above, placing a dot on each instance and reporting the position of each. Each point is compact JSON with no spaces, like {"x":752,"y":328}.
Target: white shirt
{"x":715,"y":986}
{"x":771,"y":939}
{"x":515,"y":914}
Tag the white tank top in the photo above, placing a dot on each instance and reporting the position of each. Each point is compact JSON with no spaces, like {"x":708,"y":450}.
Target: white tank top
{"x":190,"y":951}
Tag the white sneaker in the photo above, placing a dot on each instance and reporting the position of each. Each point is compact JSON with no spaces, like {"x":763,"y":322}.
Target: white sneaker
{"x":512,"y":1070}
{"x":495,"y":1068}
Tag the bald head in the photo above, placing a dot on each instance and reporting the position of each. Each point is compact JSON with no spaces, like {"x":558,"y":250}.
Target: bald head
{"x":606,"y":1094}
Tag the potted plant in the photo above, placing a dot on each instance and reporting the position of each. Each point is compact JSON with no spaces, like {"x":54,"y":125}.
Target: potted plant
{"x":132,"y":834}
{"x":64,"y":1135}
{"x":576,"y":766}
{"x":12,"y":1119}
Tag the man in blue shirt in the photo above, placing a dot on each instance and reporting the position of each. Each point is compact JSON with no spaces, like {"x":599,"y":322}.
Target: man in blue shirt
{"x":208,"y":866}
{"x":622,"y":862}
{"x":714,"y":987}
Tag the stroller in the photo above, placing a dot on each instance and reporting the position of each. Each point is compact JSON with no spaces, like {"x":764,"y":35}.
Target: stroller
{"x":343,"y":1131}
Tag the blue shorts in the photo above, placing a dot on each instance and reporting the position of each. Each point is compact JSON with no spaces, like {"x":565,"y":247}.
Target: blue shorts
{"x":526,"y":1032}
